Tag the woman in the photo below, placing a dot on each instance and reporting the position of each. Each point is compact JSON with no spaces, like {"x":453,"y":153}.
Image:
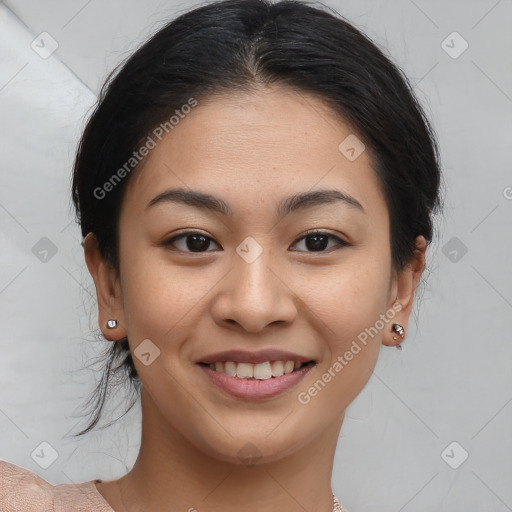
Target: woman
{"x":256,"y":191}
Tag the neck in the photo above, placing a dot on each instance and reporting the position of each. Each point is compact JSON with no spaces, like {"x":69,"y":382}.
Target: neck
{"x":172,"y":474}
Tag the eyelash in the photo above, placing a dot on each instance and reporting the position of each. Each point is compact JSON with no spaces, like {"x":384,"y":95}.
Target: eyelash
{"x":168,"y":243}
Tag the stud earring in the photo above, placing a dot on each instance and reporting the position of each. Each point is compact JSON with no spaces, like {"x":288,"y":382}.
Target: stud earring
{"x":111,"y":324}
{"x":401,"y":333}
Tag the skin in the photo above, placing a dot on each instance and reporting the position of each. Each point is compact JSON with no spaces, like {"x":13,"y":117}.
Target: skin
{"x":252,"y":150}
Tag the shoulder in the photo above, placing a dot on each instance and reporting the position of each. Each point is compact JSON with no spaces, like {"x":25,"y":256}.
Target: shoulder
{"x":21,"y":490}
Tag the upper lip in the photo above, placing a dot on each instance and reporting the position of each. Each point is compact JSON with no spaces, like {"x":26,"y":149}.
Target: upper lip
{"x":261,"y":356}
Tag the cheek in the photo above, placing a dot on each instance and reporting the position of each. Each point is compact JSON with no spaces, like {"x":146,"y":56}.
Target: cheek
{"x":347,"y":298}
{"x":160,"y":298}
{"x":347,"y":305}
{"x":162,"y":301}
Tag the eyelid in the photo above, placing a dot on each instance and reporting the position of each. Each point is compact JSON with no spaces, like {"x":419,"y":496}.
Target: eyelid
{"x":169,"y":241}
{"x":320,"y":231}
{"x":183,"y":234}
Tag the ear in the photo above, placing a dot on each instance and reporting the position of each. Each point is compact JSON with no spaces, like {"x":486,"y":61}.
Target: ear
{"x":403,"y":290}
{"x":108,"y":290}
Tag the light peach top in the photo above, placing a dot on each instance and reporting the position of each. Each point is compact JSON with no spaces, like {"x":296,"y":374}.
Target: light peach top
{"x":22,"y":490}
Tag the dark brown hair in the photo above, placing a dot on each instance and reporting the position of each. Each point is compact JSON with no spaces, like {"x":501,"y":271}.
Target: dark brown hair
{"x":234,"y":45}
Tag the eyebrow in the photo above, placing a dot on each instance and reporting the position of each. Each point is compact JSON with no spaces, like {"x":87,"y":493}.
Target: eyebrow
{"x":296,"y":202}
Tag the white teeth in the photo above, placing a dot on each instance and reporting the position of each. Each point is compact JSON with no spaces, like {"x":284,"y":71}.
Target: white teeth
{"x":260,"y":371}
{"x":277,"y":369}
{"x":245,"y":370}
{"x":230,"y":368}
{"x":288,"y":366}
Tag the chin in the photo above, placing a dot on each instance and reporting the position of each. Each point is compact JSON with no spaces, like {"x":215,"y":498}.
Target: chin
{"x":255,"y":448}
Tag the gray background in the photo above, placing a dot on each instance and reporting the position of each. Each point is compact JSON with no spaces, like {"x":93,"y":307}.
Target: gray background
{"x":452,"y":381}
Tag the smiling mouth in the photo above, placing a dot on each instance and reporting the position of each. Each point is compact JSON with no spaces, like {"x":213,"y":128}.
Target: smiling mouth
{"x":261,"y":371}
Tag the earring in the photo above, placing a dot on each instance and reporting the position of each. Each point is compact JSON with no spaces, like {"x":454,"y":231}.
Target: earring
{"x":401,"y":333}
{"x":111,"y":324}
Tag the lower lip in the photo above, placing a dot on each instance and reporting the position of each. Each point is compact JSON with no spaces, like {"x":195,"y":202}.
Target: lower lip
{"x":255,"y":389}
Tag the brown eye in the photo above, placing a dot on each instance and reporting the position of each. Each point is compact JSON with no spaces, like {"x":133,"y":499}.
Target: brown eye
{"x":318,"y":241}
{"x":196,"y":242}
{"x":190,"y":242}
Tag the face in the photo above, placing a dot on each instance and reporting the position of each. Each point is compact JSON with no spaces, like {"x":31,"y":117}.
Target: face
{"x":197,"y":279}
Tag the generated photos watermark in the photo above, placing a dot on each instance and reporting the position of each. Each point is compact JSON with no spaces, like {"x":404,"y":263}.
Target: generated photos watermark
{"x":304,"y":397}
{"x":143,"y":151}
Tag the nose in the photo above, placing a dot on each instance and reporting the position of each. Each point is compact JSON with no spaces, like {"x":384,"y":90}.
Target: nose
{"x":254,"y":295}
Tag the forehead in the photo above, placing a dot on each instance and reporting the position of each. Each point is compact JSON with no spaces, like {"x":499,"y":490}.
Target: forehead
{"x":258,"y":146}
